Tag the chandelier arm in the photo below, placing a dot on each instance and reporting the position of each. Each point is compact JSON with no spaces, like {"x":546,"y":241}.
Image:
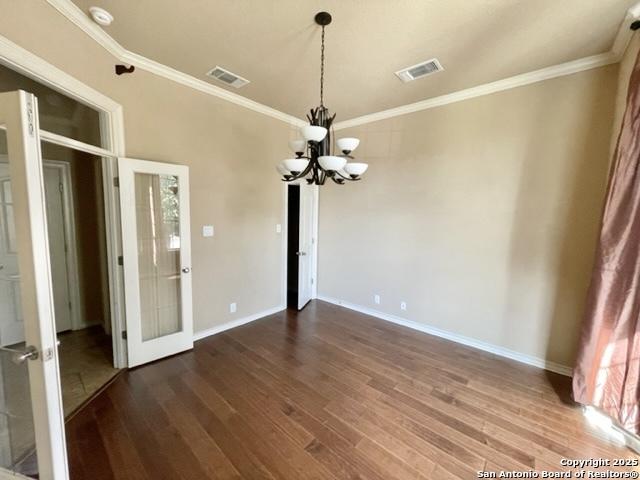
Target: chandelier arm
{"x":347,"y":178}
{"x":306,"y":171}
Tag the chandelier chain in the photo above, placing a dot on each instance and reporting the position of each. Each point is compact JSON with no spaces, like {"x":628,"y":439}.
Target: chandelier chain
{"x":322,"y":70}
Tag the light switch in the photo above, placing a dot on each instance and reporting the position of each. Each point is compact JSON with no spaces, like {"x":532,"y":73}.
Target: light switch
{"x":278,"y":228}
{"x":207,"y":230}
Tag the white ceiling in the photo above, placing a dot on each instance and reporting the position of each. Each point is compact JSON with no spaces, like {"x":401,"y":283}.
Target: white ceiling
{"x":276,"y":44}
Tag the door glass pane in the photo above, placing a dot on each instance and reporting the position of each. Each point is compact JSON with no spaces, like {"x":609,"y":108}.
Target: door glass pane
{"x":17,"y":436}
{"x":58,"y":113}
{"x":157,"y":222}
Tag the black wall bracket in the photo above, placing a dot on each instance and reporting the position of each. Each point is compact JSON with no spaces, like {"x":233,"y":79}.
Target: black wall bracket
{"x":120,"y":69}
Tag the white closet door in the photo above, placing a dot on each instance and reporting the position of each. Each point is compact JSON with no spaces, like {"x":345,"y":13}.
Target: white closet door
{"x":306,"y":246}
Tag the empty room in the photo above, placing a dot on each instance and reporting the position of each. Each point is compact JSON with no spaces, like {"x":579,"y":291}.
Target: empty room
{"x":319,"y":239}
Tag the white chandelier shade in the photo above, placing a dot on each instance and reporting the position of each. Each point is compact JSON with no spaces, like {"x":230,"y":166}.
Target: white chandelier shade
{"x":332,"y":162}
{"x":295,"y":164}
{"x":297,"y":146}
{"x":348,"y":144}
{"x":355,"y":168}
{"x":313,"y":133}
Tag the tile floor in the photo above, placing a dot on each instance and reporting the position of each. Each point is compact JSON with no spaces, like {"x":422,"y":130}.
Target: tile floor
{"x":86,"y":364}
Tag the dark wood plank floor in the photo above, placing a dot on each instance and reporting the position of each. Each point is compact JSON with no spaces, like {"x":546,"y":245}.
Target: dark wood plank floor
{"x":329,"y":394}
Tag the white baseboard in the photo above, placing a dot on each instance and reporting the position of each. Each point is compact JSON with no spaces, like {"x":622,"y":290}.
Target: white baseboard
{"x":236,"y":323}
{"x":471,"y":342}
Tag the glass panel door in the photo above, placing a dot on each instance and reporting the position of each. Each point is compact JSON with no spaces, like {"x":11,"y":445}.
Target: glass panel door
{"x":157,"y":258}
{"x":157,"y":222}
{"x":17,"y":433}
{"x":32,"y":439}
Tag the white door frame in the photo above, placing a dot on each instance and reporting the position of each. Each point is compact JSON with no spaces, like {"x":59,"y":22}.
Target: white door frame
{"x":70,"y":236}
{"x":112,"y":130}
{"x":285,"y":231}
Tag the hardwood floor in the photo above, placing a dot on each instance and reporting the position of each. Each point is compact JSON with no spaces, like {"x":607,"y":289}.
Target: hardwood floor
{"x":329,"y":394}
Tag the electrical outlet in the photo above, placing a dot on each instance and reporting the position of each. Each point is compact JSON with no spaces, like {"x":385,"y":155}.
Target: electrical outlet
{"x":403,"y":306}
{"x":376,"y":299}
{"x":233,"y":307}
{"x":207,"y":231}
{"x":278,"y":228}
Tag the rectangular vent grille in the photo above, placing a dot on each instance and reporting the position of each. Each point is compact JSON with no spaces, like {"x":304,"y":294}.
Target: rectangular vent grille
{"x":420,"y":70}
{"x":225,"y":76}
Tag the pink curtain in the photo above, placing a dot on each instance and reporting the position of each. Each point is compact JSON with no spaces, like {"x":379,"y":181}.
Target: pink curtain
{"x":607,"y":369}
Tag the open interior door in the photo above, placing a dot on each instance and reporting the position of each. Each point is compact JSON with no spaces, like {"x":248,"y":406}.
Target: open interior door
{"x":306,"y":248}
{"x":154,"y":200}
{"x":32,"y":440}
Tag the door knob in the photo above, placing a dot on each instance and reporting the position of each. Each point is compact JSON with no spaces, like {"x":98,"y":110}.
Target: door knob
{"x":186,"y":270}
{"x":301,"y":254}
{"x":30,"y":353}
{"x":21,"y":356}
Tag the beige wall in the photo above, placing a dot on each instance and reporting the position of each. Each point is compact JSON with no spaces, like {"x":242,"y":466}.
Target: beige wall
{"x":231,"y":152}
{"x":481,"y":215}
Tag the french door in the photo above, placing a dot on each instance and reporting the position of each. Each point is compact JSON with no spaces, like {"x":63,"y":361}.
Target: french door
{"x":154,"y":199}
{"x":306,"y":247}
{"x":32,"y":440}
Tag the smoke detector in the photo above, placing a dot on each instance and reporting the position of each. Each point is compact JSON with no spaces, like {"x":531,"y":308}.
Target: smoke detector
{"x":419,"y":70}
{"x":225,"y":76}
{"x":101,"y":16}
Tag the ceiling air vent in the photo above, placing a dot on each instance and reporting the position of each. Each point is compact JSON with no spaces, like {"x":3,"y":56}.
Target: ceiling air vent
{"x":225,"y":76}
{"x":419,"y":70}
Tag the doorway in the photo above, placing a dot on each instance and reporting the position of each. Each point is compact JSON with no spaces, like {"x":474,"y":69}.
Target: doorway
{"x":77,"y":254}
{"x":293,"y":241}
{"x":45,"y":280}
{"x":75,"y":209}
{"x":302,"y":246}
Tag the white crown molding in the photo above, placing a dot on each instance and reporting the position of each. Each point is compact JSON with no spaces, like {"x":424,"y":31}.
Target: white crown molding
{"x":78,"y":17}
{"x":236,"y":323}
{"x":548,"y":73}
{"x":25,"y":62}
{"x":624,"y":34}
{"x":454,"y":337}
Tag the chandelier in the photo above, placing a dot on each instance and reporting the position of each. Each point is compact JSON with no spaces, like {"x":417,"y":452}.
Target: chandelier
{"x":315,"y":158}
